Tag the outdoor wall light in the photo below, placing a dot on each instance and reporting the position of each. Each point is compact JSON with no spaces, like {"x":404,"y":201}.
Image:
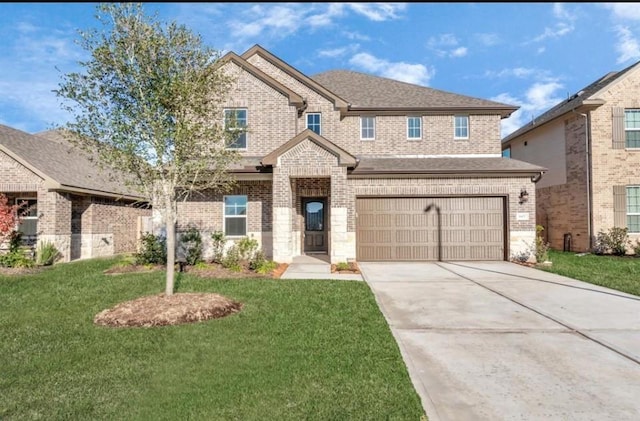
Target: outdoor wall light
{"x":524,"y":196}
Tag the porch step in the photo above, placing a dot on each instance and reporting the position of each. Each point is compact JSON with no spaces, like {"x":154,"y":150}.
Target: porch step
{"x":314,"y":267}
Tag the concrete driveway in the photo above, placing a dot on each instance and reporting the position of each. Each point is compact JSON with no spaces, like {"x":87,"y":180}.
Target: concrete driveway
{"x":500,"y":341}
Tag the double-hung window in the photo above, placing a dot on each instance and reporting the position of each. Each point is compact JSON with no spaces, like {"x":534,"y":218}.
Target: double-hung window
{"x":235,"y":121}
{"x":632,"y":129}
{"x":29,"y":211}
{"x":633,"y":208}
{"x":414,"y":128}
{"x":235,"y":215}
{"x":314,"y":122}
{"x":461,"y":127}
{"x":367,"y":128}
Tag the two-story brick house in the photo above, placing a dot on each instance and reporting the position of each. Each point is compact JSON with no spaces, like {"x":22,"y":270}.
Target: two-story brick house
{"x":590,"y":144}
{"x":71,"y":202}
{"x":346,"y":164}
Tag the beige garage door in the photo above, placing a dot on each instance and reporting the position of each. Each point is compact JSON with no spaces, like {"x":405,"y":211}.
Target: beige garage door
{"x":396,"y":229}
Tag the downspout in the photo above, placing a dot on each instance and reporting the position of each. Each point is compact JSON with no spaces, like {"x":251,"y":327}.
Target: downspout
{"x":587,"y":149}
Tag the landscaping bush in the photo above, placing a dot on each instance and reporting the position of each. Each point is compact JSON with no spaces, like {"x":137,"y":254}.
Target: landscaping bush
{"x":247,"y":248}
{"x":342,"y":266}
{"x":541,"y":247}
{"x":231,"y":259}
{"x":260,"y":264}
{"x":614,"y":241}
{"x":218,"y":240}
{"x":16,"y":259}
{"x":46,"y":254}
{"x":636,"y":248}
{"x":154,"y":250}
{"x":191,"y":244}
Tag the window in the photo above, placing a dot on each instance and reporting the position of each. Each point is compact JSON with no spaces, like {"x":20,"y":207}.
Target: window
{"x":633,"y":208}
{"x":461,"y":127}
{"x":506,"y":153}
{"x":367,"y":128}
{"x":632,"y":128}
{"x":29,"y":211}
{"x":235,"y":215}
{"x":313,"y":122}
{"x":235,"y":119}
{"x":414,"y":127}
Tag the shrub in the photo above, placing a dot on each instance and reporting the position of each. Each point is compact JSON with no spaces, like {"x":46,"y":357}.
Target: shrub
{"x":247,"y":248}
{"x":191,"y":244}
{"x":614,"y":241}
{"x":46,"y":254}
{"x":218,"y":240}
{"x":636,"y":248}
{"x":522,"y":256}
{"x":266,"y":267}
{"x":15,"y":259}
{"x":541,"y":247}
{"x":342,"y":266}
{"x":154,"y":250}
{"x":232,"y":259}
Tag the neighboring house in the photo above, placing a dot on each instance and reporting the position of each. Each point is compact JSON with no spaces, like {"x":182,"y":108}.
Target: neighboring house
{"x":345,"y":164}
{"x":71,"y":202}
{"x":590,"y":144}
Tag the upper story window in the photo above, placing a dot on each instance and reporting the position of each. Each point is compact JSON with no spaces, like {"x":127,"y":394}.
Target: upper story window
{"x":633,"y":208}
{"x":414,"y":128}
{"x":367,"y":128}
{"x":235,"y":215}
{"x":461,"y":127}
{"x":632,"y":128}
{"x":506,"y":153}
{"x":235,"y":119}
{"x":314,"y":122}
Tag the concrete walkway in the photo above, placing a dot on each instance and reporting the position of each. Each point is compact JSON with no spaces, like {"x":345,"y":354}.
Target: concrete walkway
{"x":500,"y":341}
{"x":315,"y":267}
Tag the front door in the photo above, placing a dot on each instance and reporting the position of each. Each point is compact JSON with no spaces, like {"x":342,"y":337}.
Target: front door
{"x":315,"y":229}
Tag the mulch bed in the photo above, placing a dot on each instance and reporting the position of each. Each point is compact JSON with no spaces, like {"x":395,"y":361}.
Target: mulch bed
{"x":215,"y":270}
{"x":353,"y":268}
{"x":162,"y":310}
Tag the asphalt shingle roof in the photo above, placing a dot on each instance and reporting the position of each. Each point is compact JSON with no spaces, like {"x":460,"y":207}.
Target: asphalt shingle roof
{"x":444,"y":165}
{"x":374,"y":92}
{"x":53,"y":156}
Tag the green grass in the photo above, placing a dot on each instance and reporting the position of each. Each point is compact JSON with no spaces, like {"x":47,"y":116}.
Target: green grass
{"x":299,"y":350}
{"x":619,"y":273}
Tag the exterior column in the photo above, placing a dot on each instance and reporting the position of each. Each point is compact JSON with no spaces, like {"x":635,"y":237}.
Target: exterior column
{"x":343,"y":242}
{"x":282,"y":218}
{"x":54,"y":224}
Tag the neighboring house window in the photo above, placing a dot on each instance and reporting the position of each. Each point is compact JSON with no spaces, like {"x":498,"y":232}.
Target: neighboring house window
{"x":367,"y":128}
{"x":235,"y":119}
{"x":235,"y":215}
{"x":29,"y":211}
{"x":414,"y":127}
{"x":461,"y":127}
{"x":314,"y":122}
{"x":506,"y":153}
{"x":633,"y":208}
{"x":632,"y":128}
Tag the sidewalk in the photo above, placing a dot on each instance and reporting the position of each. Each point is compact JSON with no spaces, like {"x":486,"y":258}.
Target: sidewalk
{"x":315,"y":267}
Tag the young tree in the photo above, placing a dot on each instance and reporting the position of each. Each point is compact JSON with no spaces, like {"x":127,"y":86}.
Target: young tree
{"x":149,"y":104}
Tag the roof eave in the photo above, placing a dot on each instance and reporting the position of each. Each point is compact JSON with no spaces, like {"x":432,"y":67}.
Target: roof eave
{"x":504,"y":112}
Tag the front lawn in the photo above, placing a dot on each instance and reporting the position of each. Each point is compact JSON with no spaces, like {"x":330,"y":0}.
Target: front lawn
{"x":620,"y":273}
{"x":297,"y":350}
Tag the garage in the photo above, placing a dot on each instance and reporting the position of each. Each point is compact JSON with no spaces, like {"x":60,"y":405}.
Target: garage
{"x":399,"y":229}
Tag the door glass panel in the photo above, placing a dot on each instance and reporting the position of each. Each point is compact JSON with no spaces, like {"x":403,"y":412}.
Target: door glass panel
{"x":314,"y":216}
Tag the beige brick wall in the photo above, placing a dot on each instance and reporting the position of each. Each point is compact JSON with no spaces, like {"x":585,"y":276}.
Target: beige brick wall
{"x":613,"y":167}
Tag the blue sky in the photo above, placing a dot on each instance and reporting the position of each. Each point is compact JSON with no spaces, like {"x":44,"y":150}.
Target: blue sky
{"x":532,"y":55}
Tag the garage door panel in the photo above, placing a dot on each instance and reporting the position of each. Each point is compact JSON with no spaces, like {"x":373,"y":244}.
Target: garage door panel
{"x":396,"y":229}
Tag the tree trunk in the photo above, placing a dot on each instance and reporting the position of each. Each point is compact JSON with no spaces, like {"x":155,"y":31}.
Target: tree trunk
{"x":171,"y":242}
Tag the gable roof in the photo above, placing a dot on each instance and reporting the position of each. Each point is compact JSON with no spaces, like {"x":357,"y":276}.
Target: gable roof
{"x":60,"y":164}
{"x":345,"y":159}
{"x":367,"y":92}
{"x":338,"y":102}
{"x":584,"y":99}
{"x":294,"y":98}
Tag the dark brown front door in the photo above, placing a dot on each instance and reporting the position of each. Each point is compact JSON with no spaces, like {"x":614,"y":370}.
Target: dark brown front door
{"x":315,"y":228}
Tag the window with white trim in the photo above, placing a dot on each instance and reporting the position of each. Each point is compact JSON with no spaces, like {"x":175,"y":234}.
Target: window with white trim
{"x":633,"y":208}
{"x":235,"y":215}
{"x":461,"y":127}
{"x":235,"y":120}
{"x":632,"y":129}
{"x":367,"y":128}
{"x":414,"y":128}
{"x":314,"y":122}
{"x":29,"y":215}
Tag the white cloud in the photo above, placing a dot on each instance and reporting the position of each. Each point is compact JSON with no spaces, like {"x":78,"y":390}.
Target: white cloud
{"x":540,"y":97}
{"x":564,"y":26}
{"x":446,"y":45}
{"x":627,"y":46}
{"x":488,"y":40}
{"x":326,"y":17}
{"x":519,"y":72}
{"x":418,"y":74}
{"x":356,"y":36}
{"x":560,"y":12}
{"x":338,"y":52}
{"x":378,"y":11}
{"x":630,"y":11}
